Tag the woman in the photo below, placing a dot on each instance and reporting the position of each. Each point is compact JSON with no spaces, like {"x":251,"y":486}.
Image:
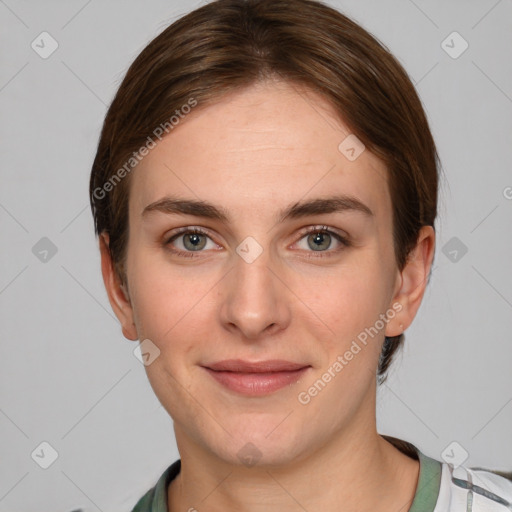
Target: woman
{"x":265,"y":192}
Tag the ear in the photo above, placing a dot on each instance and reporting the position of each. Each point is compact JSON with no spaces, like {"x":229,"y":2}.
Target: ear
{"x":412,"y":282}
{"x":117,"y":295}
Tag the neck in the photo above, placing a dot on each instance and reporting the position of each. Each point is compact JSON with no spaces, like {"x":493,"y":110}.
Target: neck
{"x":356,"y":470}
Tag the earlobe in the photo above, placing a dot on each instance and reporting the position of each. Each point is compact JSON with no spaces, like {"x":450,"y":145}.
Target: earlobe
{"x":117,"y":293}
{"x":413,"y":282}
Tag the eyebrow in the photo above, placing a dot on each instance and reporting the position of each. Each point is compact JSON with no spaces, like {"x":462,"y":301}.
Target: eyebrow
{"x":333,"y":204}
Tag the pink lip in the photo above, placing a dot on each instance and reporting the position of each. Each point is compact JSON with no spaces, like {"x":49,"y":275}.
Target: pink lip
{"x":258,"y":378}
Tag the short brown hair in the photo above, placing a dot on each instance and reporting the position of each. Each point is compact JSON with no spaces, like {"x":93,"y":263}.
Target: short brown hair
{"x":227,"y":45}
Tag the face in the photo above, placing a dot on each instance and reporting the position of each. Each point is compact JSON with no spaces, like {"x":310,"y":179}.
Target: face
{"x":271,"y":270}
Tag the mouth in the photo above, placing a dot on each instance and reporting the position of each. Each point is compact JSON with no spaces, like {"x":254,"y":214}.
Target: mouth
{"x":256,"y":378}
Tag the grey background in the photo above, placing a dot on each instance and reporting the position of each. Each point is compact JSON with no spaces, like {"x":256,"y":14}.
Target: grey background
{"x":68,"y":376}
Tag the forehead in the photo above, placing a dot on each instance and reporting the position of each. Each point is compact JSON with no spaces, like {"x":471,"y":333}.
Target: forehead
{"x":256,"y":150}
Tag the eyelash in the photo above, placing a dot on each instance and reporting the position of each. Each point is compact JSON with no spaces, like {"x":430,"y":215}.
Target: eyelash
{"x":312,"y":230}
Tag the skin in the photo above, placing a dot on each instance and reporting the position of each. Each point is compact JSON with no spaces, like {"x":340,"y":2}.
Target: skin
{"x":254,"y":153}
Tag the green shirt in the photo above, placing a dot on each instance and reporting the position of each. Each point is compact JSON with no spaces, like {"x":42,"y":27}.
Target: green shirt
{"x":427,"y":491}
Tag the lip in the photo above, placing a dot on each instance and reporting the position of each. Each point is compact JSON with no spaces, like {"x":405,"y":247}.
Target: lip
{"x":239,"y":365}
{"x":256,"y":378}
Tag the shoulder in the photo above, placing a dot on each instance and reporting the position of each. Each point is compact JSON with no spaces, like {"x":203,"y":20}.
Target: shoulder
{"x":474,"y":489}
{"x":444,"y":487}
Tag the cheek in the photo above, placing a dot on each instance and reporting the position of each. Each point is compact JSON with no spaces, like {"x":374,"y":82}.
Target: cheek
{"x":349,"y":302}
{"x":152,"y":288}
{"x":169,"y":305}
{"x":168,"y":317}
{"x":351,"y":296}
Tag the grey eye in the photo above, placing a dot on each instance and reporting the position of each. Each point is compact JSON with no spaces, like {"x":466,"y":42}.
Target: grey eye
{"x":319,"y":241}
{"x":194,"y":241}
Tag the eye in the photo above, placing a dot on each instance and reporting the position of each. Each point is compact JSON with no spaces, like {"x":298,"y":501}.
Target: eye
{"x":316,"y":239}
{"x":189,"y":240}
{"x":320,"y":238}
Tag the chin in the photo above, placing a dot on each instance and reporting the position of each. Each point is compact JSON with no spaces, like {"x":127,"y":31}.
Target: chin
{"x":261,"y":443}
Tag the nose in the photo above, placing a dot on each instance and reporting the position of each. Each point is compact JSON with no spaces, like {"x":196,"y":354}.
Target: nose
{"x":255,"y":299}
